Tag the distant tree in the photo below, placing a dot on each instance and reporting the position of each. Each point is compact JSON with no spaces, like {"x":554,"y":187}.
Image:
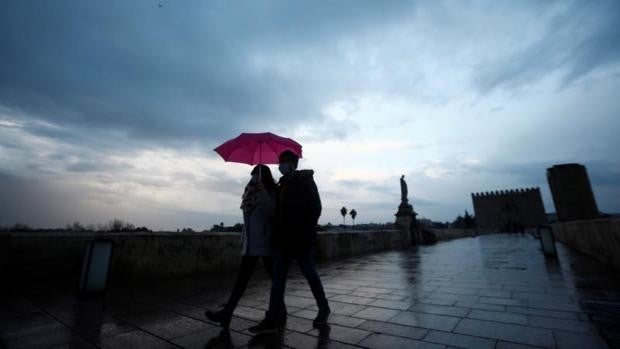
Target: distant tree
{"x":20,"y":227}
{"x":353,"y":214}
{"x":458,"y":222}
{"x":469,"y":221}
{"x":343,"y":212}
{"x":75,"y":227}
{"x":116,"y":225}
{"x":238,"y":227}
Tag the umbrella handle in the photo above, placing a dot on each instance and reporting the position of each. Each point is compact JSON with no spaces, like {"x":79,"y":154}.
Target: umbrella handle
{"x":260,"y":162}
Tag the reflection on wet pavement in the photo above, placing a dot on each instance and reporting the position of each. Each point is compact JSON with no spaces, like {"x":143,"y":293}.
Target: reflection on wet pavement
{"x":495,"y":291}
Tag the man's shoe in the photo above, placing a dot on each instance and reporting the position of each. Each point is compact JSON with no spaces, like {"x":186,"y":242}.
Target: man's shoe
{"x":321,"y":317}
{"x":222,"y":317}
{"x":265,"y":326}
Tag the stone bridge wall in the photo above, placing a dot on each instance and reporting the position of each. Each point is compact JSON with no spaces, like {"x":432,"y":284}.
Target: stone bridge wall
{"x":599,"y":238}
{"x":160,"y":255}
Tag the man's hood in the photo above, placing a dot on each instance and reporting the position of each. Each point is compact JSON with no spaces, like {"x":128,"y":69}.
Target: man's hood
{"x":298,"y":175}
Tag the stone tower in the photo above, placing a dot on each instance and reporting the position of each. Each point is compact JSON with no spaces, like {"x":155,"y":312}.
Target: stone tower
{"x":509,"y":210}
{"x":572,"y":193}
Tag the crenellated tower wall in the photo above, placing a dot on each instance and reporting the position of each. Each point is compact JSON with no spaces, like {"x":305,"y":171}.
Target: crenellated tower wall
{"x":509,"y":209}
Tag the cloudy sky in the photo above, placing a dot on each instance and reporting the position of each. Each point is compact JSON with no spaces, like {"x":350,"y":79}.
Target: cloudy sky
{"x":112,"y":108}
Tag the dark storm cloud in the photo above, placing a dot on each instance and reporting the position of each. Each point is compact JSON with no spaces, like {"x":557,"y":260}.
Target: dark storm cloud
{"x":579,"y":40}
{"x":28,"y":202}
{"x":176,"y":73}
{"x":534,"y":173}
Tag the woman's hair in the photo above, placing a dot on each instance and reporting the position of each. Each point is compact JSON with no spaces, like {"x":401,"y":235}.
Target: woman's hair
{"x":266,"y":177}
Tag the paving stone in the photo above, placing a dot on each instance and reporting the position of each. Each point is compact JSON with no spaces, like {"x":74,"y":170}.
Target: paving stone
{"x":249,"y":313}
{"x":345,"y":308}
{"x":300,"y":293}
{"x":392,"y":342}
{"x":430,"y":321}
{"x":542,"y":297}
{"x":299,"y":324}
{"x":135,"y":339}
{"x":405,"y":292}
{"x":167,"y":325}
{"x":343,"y":334}
{"x":481,"y":306}
{"x":394,"y":329}
{"x":391,"y":297}
{"x":437,"y":301}
{"x":335,"y":291}
{"x":13,"y":307}
{"x":510,"y":345}
{"x":200,"y":339}
{"x":560,"y":324}
{"x":459,"y":340}
{"x":569,"y":340}
{"x":495,"y":293}
{"x":239,"y":324}
{"x":375,"y":290}
{"x":498,"y":316}
{"x":374,"y":313}
{"x":390,"y":304}
{"x":345,"y":298}
{"x":335,"y":319}
{"x":452,"y":297}
{"x":439,"y":309}
{"x":459,"y":290}
{"x":544,"y":312}
{"x":503,"y":301}
{"x":110,"y":327}
{"x":343,"y":320}
{"x":300,"y":302}
{"x":49,"y":339}
{"x":507,"y":332}
{"x":364,"y":294}
{"x":340,"y":286}
{"x":553,"y":305}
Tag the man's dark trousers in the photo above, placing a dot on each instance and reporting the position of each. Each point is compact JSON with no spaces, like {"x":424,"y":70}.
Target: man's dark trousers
{"x":281,"y":262}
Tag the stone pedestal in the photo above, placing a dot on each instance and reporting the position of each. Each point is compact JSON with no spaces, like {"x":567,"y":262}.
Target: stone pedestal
{"x":404,"y":216}
{"x":405,"y":220}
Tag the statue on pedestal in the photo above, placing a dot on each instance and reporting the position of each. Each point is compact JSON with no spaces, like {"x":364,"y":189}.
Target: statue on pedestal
{"x":403,"y":190}
{"x":405,"y":217}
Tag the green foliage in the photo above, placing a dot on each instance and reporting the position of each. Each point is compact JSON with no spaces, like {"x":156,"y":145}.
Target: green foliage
{"x":353,"y":214}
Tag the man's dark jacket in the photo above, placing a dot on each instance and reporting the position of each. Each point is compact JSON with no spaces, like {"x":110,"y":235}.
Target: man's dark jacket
{"x":298,"y":211}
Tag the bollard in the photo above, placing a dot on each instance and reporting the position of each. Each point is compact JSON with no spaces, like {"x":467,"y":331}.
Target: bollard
{"x":95,"y":267}
{"x":547,"y":241}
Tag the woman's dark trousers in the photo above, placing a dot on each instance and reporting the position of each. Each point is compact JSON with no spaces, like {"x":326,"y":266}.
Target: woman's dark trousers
{"x":282,"y":261}
{"x":248,"y":265}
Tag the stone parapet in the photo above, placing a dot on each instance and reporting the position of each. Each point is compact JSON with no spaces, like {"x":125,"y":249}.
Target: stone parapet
{"x":351,"y":243}
{"x":598,"y":238}
{"x":163,"y":255}
{"x":449,"y":234}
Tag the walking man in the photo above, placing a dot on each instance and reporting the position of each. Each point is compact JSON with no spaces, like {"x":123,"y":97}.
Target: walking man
{"x":298,"y":210}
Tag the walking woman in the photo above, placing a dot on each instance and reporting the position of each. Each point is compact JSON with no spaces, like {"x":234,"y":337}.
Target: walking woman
{"x":259,"y":205}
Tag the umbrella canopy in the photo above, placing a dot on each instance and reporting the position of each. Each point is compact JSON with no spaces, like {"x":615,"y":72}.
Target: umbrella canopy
{"x":257,"y":148}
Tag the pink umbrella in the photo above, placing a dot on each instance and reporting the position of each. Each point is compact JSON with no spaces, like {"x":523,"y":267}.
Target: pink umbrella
{"x":257,"y":148}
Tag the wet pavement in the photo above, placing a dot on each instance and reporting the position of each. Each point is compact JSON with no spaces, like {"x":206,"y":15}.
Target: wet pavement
{"x":494,"y":291}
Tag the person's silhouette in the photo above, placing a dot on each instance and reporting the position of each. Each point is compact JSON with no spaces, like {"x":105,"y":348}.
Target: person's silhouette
{"x":298,"y":210}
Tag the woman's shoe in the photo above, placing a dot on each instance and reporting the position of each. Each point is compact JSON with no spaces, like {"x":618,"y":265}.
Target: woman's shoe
{"x":222,"y":317}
